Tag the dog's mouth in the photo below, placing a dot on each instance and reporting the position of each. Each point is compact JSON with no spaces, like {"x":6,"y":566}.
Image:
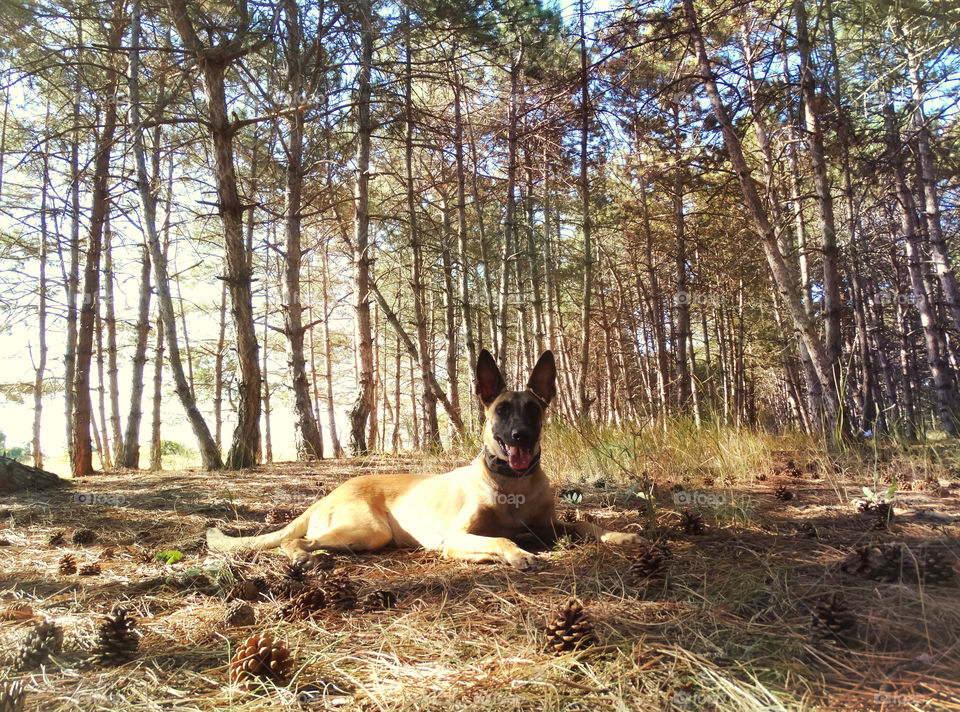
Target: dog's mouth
{"x":518,"y":457}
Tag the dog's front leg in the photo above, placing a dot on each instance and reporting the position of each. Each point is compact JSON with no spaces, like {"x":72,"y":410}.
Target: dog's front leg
{"x":473,"y":547}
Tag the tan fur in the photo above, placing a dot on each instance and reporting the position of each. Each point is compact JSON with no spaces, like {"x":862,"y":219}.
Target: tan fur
{"x":469,"y":513}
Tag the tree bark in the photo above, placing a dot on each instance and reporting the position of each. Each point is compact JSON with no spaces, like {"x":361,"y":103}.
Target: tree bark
{"x":584,"y":401}
{"x":428,"y":409}
{"x":209,"y":450}
{"x":41,"y":365}
{"x":821,"y":183}
{"x":213,"y":62}
{"x":932,"y":336}
{"x":112,"y":368}
{"x":82,"y":462}
{"x":931,"y":200}
{"x":156,"y":449}
{"x":306,"y":432}
{"x":363,"y":402}
{"x":130,"y":457}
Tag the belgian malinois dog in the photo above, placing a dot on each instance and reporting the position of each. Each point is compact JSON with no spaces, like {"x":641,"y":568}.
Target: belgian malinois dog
{"x":471,"y":513}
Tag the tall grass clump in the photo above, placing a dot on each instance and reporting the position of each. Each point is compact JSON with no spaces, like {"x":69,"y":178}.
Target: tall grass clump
{"x":675,"y":451}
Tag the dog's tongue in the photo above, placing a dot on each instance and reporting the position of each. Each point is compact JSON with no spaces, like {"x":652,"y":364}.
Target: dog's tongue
{"x":520,"y":458}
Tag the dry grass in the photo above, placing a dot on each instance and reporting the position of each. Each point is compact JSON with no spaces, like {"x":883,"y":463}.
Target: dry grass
{"x":727,"y":628}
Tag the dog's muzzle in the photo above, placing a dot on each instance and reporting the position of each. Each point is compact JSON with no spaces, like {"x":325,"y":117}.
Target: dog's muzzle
{"x":519,"y":463}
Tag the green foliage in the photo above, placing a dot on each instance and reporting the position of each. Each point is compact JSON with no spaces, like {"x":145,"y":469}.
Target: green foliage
{"x":169,"y":556}
{"x":21,"y":453}
{"x":178,"y":449}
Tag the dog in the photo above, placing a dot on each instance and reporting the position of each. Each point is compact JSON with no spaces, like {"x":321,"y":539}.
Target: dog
{"x":472,"y":513}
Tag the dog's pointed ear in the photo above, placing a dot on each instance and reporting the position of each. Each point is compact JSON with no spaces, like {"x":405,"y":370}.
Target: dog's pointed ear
{"x":489,"y":381}
{"x":544,"y":378}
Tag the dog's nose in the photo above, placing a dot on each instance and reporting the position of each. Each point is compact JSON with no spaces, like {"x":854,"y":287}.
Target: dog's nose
{"x":520,"y":436}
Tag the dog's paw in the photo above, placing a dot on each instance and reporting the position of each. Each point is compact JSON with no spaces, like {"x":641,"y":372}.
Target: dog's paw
{"x":622,"y":539}
{"x":523,"y":560}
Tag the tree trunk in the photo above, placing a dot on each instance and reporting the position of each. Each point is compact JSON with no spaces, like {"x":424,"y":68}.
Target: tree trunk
{"x":156,"y":451}
{"x":363,"y":402}
{"x":584,"y":401}
{"x":682,"y":298}
{"x":306,"y":433}
{"x":17,"y":477}
{"x":209,"y":450}
{"x":510,"y":221}
{"x":103,"y":447}
{"x":72,"y":275}
{"x":112,"y":369}
{"x":821,"y":182}
{"x":327,"y":360}
{"x":931,"y":200}
{"x":431,"y":430}
{"x":450,"y":314}
{"x":466,"y":310}
{"x":213,"y":62}
{"x":932,"y":336}
{"x":82,"y":461}
{"x":783,"y":277}
{"x":131,"y":440}
{"x":41,"y":365}
{"x":218,"y":371}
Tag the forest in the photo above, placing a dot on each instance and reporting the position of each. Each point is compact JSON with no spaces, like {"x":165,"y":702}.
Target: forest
{"x":248,"y":243}
{"x":738,"y":214}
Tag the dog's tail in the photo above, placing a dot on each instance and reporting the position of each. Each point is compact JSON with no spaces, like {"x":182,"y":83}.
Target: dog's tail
{"x":218,"y":541}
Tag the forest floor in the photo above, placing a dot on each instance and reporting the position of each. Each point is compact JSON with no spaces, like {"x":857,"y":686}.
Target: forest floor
{"x":728,"y":624}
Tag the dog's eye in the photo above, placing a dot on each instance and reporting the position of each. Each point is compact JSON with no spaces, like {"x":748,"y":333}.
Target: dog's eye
{"x":502,"y":409}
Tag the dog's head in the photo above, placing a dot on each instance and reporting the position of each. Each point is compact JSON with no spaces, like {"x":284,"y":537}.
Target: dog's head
{"x":514,"y":419}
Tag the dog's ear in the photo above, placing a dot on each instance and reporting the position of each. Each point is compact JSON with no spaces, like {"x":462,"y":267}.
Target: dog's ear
{"x":489,"y":381}
{"x":543,"y":379}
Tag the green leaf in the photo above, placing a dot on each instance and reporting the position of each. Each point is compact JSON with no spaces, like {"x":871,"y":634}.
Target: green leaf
{"x":170,"y":556}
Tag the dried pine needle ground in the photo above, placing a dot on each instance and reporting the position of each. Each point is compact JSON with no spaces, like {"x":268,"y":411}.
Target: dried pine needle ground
{"x":728,"y":625}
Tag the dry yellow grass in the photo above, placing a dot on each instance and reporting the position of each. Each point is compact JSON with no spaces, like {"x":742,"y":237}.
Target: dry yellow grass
{"x":727,"y":628}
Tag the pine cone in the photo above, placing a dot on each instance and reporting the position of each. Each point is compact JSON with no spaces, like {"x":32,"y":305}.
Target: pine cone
{"x":340,"y":592}
{"x":260,"y":658}
{"x":649,"y":562}
{"x":117,"y":640}
{"x":894,"y":562}
{"x":880,"y":563}
{"x":691,"y":522}
{"x":12,"y":696}
{"x":238,"y":614}
{"x":83,"y":537}
{"x":56,"y":539}
{"x":783,"y":494}
{"x":68,"y":564}
{"x":92,"y":569}
{"x":304,"y":605}
{"x":569,"y":628}
{"x":935,"y":568}
{"x":321,"y":561}
{"x":832,"y":620}
{"x":378,"y":600}
{"x":254,"y":588}
{"x":44,"y":640}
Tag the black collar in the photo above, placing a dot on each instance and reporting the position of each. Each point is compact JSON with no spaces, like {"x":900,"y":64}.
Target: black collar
{"x":502,"y":467}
